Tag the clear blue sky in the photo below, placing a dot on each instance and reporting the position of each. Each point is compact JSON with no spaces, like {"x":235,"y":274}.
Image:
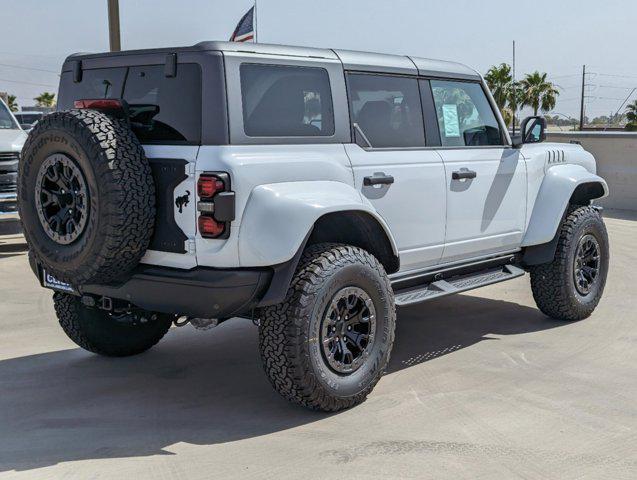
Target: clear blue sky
{"x":555,"y":36}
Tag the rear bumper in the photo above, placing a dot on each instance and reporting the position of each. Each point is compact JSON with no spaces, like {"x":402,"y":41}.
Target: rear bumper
{"x":200,"y":292}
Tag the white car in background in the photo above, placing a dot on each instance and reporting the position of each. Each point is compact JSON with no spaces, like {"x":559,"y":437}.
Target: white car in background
{"x":12,"y":139}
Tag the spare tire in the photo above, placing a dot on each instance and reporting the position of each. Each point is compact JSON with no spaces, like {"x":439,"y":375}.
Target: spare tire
{"x":86,"y":196}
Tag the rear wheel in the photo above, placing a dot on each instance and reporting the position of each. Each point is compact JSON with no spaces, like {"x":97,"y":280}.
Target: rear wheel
{"x":570,"y":287}
{"x":109,"y":334}
{"x":327,"y":345}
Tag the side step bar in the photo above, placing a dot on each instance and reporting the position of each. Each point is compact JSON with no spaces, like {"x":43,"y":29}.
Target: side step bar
{"x":457,"y":284}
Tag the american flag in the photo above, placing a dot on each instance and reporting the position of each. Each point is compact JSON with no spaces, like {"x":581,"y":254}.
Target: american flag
{"x":245,"y":28}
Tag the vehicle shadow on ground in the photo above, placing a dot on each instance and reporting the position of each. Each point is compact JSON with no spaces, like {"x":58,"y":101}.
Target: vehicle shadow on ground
{"x":197,"y":388}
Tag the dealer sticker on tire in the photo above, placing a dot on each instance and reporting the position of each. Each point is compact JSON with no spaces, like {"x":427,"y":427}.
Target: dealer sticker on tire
{"x":50,"y":281}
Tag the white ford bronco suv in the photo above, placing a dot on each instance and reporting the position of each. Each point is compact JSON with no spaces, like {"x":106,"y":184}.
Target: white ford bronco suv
{"x":312,"y":190}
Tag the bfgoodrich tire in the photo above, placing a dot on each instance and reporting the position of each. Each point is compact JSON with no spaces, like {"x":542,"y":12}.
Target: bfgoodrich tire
{"x":327,"y":345}
{"x":105,"y":334}
{"x":86,"y":196}
{"x":570,"y":287}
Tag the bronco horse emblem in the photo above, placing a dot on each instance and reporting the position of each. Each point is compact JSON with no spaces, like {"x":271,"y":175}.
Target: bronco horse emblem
{"x":183,"y":201}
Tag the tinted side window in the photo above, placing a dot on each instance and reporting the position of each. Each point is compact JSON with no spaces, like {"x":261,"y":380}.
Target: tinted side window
{"x":165,"y":109}
{"x":285,"y":101}
{"x":465,"y":116}
{"x":387,"y":109}
{"x":95,"y":83}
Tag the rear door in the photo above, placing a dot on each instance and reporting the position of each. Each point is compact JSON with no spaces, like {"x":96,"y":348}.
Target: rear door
{"x":403,"y":180}
{"x":165,"y":115}
{"x":485,"y":179}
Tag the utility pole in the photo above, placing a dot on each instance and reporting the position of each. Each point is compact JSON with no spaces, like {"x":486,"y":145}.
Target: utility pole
{"x":113,"y":26}
{"x":581,"y":118}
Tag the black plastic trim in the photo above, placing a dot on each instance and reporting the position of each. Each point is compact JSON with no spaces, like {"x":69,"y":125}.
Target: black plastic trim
{"x":408,"y":282}
{"x":170,"y":67}
{"x":282,"y":277}
{"x":201,"y":292}
{"x":224,"y":210}
{"x":77,"y":71}
{"x":167,"y":174}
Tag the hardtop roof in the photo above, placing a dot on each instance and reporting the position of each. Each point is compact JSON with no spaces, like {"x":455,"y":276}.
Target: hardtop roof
{"x":351,"y":60}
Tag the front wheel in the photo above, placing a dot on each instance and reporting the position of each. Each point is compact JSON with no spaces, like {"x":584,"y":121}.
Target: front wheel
{"x":570,"y":287}
{"x":109,"y":334}
{"x":327,"y":345}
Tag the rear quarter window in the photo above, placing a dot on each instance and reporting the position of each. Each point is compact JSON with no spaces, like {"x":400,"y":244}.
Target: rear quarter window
{"x":286,"y":101}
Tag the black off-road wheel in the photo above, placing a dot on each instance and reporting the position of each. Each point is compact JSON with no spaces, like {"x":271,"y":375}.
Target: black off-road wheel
{"x":109,"y":334}
{"x":327,"y":345}
{"x":86,"y":196}
{"x":570,"y":287}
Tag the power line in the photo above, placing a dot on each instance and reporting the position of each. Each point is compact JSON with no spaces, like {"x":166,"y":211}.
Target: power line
{"x":617,"y":76}
{"x":28,"y":83}
{"x":28,"y":68}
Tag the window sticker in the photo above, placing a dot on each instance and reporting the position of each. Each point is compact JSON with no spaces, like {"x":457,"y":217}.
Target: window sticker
{"x":450,"y":118}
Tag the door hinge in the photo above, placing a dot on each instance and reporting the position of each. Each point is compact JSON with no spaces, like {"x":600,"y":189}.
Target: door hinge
{"x":191,"y":246}
{"x":191,"y":168}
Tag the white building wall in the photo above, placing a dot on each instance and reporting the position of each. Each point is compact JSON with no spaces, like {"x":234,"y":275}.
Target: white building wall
{"x":616,"y":155}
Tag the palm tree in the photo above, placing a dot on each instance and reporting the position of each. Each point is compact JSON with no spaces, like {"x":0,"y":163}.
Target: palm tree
{"x":538,"y":93}
{"x":11,"y":103}
{"x":506,"y":92}
{"x":499,"y":80}
{"x":45,"y":99}
{"x":631,"y":116}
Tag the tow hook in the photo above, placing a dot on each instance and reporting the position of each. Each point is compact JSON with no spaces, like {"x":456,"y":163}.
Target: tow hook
{"x":198,"y":323}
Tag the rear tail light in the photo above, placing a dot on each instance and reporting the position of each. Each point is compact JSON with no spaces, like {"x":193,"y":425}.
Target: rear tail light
{"x":215,"y":205}
{"x":209,"y":185}
{"x":209,"y":227}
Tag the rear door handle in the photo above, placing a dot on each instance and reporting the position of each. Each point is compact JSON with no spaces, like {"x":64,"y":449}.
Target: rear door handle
{"x":378,"y":179}
{"x":463,"y":174}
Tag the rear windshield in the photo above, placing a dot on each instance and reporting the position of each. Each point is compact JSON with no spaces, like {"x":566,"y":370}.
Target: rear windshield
{"x":162,"y":109}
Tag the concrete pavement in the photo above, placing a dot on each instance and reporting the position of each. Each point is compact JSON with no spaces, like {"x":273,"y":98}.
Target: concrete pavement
{"x":480,"y":386}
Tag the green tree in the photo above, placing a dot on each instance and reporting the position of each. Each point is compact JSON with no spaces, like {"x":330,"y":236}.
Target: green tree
{"x":506,"y":92}
{"x":45,"y":99}
{"x":631,"y":116}
{"x":499,"y":80}
{"x":538,"y":93}
{"x":11,"y":103}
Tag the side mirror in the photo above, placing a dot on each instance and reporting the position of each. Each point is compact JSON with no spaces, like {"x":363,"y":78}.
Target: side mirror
{"x":533,"y":130}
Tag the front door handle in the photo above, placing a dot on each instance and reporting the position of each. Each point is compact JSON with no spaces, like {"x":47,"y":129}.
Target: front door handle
{"x":463,"y":174}
{"x":378,"y":179}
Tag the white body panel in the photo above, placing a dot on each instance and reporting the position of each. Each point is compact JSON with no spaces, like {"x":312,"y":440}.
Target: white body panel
{"x":486,"y":214}
{"x":413,"y":206}
{"x":267,"y":239}
{"x":516,"y":200}
{"x":12,"y":139}
{"x":260,"y":165}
